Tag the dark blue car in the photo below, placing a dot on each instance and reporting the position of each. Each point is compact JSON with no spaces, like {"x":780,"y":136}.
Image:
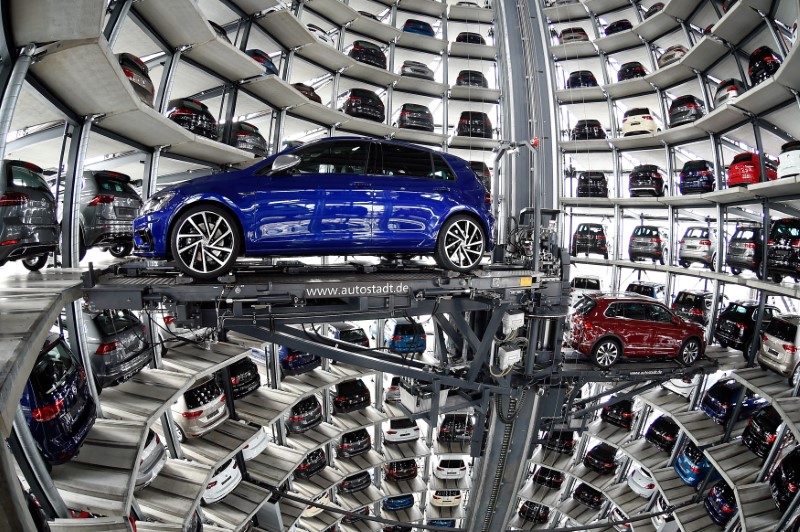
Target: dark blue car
{"x":294,"y":362}
{"x":418,"y":26}
{"x":692,"y":465}
{"x":56,"y":402}
{"x":449,"y":523}
{"x":720,"y":401}
{"x":720,"y":503}
{"x":336,"y":196}
{"x":265,"y":60}
{"x":400,"y":502}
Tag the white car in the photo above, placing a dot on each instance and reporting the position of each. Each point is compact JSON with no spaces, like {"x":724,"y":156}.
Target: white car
{"x":663,"y":522}
{"x":450,"y":468}
{"x":223,"y":481}
{"x":401,"y":430}
{"x":256,"y":444}
{"x":583,"y":284}
{"x":311,"y":511}
{"x":618,"y":515}
{"x":393,"y":390}
{"x":321,"y":35}
{"x":446,"y":498}
{"x":641,"y":483}
{"x":638,"y":121}
{"x":789,"y":160}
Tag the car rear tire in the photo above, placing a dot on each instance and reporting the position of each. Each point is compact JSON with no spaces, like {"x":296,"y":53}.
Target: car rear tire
{"x":690,"y":352}
{"x":121,"y":250}
{"x":713,"y":264}
{"x":776,"y":277}
{"x":735,"y":271}
{"x":606,"y":353}
{"x":795,"y":376}
{"x":205,"y":242}
{"x":685,"y":263}
{"x":36,"y":263}
{"x":461,"y":244}
{"x":723,"y":344}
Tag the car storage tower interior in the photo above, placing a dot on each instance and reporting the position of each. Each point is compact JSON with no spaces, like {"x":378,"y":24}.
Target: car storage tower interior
{"x":498,"y":379}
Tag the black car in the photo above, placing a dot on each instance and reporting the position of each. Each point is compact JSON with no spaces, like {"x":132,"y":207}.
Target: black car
{"x":350,"y":396}
{"x":470,"y":37}
{"x":355,"y":515}
{"x":588,"y":496}
{"x":685,"y":109}
{"x":139,"y":76}
{"x":414,"y":116}
{"x":663,"y":433}
{"x":455,"y":428}
{"x":471,"y":78}
{"x":655,"y":8}
{"x":618,"y":26}
{"x":244,"y":377}
{"x":588,"y":130}
{"x":581,"y":78}
{"x":693,"y":305}
{"x":592,"y":185}
{"x":483,"y":172}
{"x":194,"y":116}
{"x":721,"y":399}
{"x":631,"y":70}
{"x":761,"y":431}
{"x":602,"y":459}
{"x":646,"y":180}
{"x":560,"y":441}
{"x":589,"y":238}
{"x":474,"y":124}
{"x":536,"y":513}
{"x":246,"y":137}
{"x":369,"y":53}
{"x":307,"y":91}
{"x":305,"y":415}
{"x":764,"y":62}
{"x":783,"y":249}
{"x":353,"y":483}
{"x":744,"y":249}
{"x":647,"y":288}
{"x":697,"y":177}
{"x":619,"y":413}
{"x":785,"y":478}
{"x":313,"y":463}
{"x":362,"y":103}
{"x":400,"y":470}
{"x":354,"y":443}
{"x":549,"y":478}
{"x":736,"y":324}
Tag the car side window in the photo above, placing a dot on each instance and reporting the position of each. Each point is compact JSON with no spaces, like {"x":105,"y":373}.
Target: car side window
{"x":614,"y":311}
{"x":441,"y":170}
{"x":344,"y":157}
{"x":405,"y":161}
{"x":634,"y":311}
{"x":659,"y":313}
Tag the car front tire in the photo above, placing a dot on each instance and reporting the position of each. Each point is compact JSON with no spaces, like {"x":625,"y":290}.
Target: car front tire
{"x":690,"y":352}
{"x":461,"y":244}
{"x":606,"y":353}
{"x":205,"y":242}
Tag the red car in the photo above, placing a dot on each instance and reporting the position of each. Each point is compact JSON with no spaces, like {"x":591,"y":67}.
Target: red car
{"x":745,"y":169}
{"x":607,"y":327}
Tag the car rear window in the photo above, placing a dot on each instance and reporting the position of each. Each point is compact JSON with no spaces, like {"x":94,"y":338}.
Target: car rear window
{"x":644,"y":230}
{"x":191,"y":104}
{"x":786,"y":229}
{"x":688,"y":298}
{"x":306,"y":405}
{"x":745,"y":234}
{"x":351,"y":386}
{"x":742,"y":157}
{"x":783,"y":330}
{"x":367,"y":44}
{"x":202,"y":394}
{"x":25,"y":175}
{"x":352,"y":335}
{"x":696,"y":232}
{"x":52,"y":369}
{"x":637,"y":111}
{"x":590,"y":228}
{"x":584,"y":306}
{"x":107,"y":183}
{"x":696,"y":166}
{"x":451,"y":464}
{"x":586,"y":283}
{"x":683,"y":100}
{"x":402,"y":423}
{"x":111,"y":322}
{"x":737,"y":309}
{"x":407,"y":329}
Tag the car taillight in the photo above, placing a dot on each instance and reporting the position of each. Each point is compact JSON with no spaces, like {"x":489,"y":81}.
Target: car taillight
{"x":694,"y":468}
{"x":291,"y":358}
{"x":182,"y":112}
{"x":789,"y":348}
{"x":600,"y":237}
{"x":422,"y":337}
{"x":296,"y":419}
{"x":109,"y":347}
{"x":627,"y":414}
{"x":792,"y":487}
{"x":487,"y":198}
{"x":222,"y":399}
{"x":169,"y":320}
{"x":749,"y":245}
{"x":340,"y":398}
{"x":192,"y":415}
{"x":731,"y":89}
{"x":691,"y":106}
{"x":650,"y":486}
{"x":354,"y":99}
{"x":396,"y":338}
{"x":771,"y":438}
{"x":211,"y":484}
{"x":393,"y":388}
{"x":682,"y":241}
{"x":796,"y":242}
{"x":10,"y":199}
{"x":705,"y":242}
{"x":47,"y":412}
{"x":391,"y":432}
{"x":101,"y":199}
{"x":235,"y":380}
{"x":11,"y":242}
{"x":771,"y":242}
{"x":764,"y":338}
{"x":357,"y":47}
{"x":463,"y":121}
{"x":740,"y":325}
{"x":770,"y":59}
{"x":655,"y":240}
{"x":647,"y":117}
{"x":696,"y":312}
{"x":608,"y":464}
{"x":725,"y":508}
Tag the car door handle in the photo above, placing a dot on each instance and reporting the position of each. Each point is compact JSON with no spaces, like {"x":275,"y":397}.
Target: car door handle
{"x":441,"y":189}
{"x":360,"y":185}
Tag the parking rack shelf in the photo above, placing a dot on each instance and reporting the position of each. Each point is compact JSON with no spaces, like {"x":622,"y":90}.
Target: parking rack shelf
{"x":626,"y":500}
{"x":409,"y":515}
{"x":576,"y":366}
{"x":313,"y":438}
{"x":362,"y":462}
{"x":237,"y":509}
{"x":518,"y":523}
{"x":221,"y":444}
{"x":444,"y":512}
{"x":694,"y":518}
{"x":540,"y":494}
{"x":757,"y":510}
{"x":361,"y":526}
{"x":436,"y":483}
{"x":354,"y":501}
{"x":665,"y":401}
{"x":702,"y":430}
{"x":672,"y":488}
{"x":274,"y":465}
{"x":646,"y":454}
{"x":265,"y":406}
{"x":404,"y":451}
{"x":734,"y":462}
{"x":608,"y":433}
{"x":767,"y":384}
{"x":105,"y":524}
{"x":552,"y":459}
{"x":318,"y":483}
{"x":789,"y":410}
{"x":578,"y":512}
{"x":402,"y":487}
{"x":470,"y":14}
{"x":175,"y":493}
{"x":145,"y":396}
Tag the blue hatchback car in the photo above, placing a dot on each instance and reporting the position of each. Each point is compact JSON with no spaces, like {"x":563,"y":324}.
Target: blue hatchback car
{"x":692,"y":465}
{"x":449,"y":523}
{"x":400,"y":502}
{"x":720,"y":503}
{"x":420,"y":27}
{"x":720,"y":401}
{"x":294,"y":362}
{"x":56,"y":402}
{"x":336,"y":196}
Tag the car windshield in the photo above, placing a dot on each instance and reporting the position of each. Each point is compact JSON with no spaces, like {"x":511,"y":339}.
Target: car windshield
{"x":52,"y":369}
{"x":111,"y":322}
{"x":782,"y":330}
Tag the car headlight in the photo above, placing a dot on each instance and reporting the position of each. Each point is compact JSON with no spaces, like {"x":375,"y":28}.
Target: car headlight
{"x":157,"y":202}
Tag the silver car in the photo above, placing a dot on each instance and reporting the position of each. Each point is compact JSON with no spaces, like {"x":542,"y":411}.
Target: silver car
{"x":699,"y":244}
{"x":151,"y":461}
{"x":671,"y":55}
{"x":200,"y":409}
{"x":117,"y":343}
{"x":29,"y":228}
{"x":415,"y":69}
{"x":779,"y":345}
{"x":109,"y":204}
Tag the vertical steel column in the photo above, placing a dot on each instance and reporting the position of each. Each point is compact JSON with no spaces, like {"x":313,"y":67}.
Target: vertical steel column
{"x":769,"y":461}
{"x":13,"y":502}
{"x":167,"y":78}
{"x":10,"y":97}
{"x":762,"y":297}
{"x":150,"y":178}
{"x":118,"y":13}
{"x":70,"y":228}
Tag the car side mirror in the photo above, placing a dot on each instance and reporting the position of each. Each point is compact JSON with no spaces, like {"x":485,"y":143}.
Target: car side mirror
{"x":284,"y":162}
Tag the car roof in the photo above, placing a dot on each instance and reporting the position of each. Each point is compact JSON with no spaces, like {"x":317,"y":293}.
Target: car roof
{"x":586,"y":277}
{"x":696,"y":292}
{"x":620,"y":296}
{"x":646,"y":283}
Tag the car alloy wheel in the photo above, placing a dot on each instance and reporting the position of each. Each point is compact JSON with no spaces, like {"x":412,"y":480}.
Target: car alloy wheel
{"x":690,"y":351}
{"x":461,"y":244}
{"x":606,"y":353}
{"x":713,"y":264}
{"x":205,"y":242}
{"x":36,"y":263}
{"x":795,"y":376}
